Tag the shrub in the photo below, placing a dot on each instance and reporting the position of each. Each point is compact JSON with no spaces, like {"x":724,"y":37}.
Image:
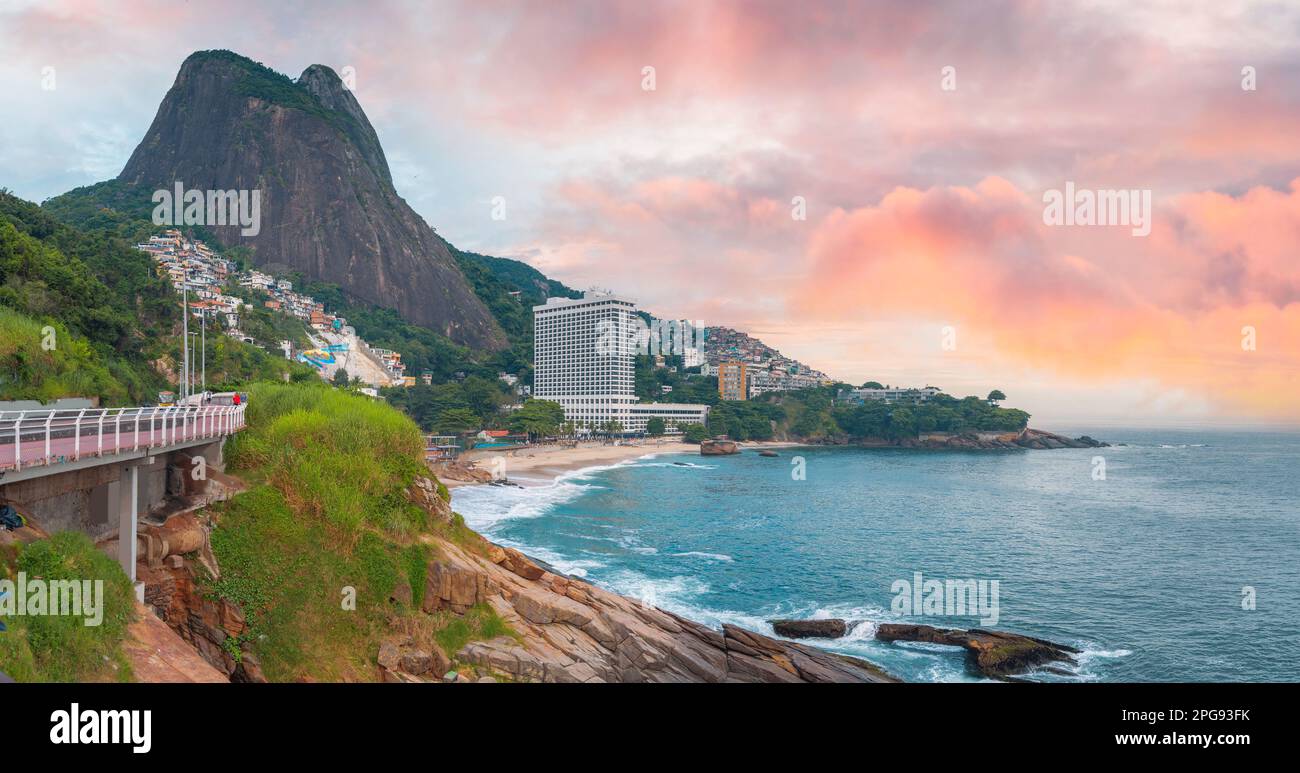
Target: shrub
{"x":62,"y":648}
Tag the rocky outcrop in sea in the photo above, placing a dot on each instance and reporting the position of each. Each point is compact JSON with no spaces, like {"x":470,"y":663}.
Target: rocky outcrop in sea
{"x":993,"y":654}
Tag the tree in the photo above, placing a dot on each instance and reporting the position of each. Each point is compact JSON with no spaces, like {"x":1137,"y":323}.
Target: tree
{"x":341,"y":378}
{"x":655,"y":426}
{"x":694,"y":433}
{"x":902,"y":423}
{"x":996,"y":395}
{"x":484,"y":397}
{"x":537,"y":417}
{"x":872,"y":385}
{"x":455,"y":421}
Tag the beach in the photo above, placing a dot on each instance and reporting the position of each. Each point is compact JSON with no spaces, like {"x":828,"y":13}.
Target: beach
{"x":538,"y":465}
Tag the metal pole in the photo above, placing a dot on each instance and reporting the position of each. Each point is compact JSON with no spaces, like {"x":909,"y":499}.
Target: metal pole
{"x":205,"y":350}
{"x":185,"y":329}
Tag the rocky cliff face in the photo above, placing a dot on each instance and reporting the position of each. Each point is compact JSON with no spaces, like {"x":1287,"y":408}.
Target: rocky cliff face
{"x":571,"y":631}
{"x":328,"y":206}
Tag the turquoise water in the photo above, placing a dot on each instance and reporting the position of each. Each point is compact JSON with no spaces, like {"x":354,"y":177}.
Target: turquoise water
{"x":1144,"y":571}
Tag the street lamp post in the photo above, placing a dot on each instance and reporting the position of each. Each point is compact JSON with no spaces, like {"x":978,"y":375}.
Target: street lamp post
{"x":185,"y":330}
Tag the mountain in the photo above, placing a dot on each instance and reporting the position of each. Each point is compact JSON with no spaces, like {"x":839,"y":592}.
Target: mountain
{"x":328,"y":206}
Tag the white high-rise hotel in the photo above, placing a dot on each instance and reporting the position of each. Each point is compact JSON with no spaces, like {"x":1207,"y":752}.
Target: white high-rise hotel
{"x":584,"y":349}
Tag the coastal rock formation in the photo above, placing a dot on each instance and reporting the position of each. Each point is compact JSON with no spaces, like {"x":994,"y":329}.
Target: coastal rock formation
{"x":831,"y":628}
{"x":328,"y":206}
{"x":994,"y":654}
{"x":570,"y":631}
{"x":1026,"y":438}
{"x":462,"y":472}
{"x":1036,"y":438}
{"x":718,"y":447}
{"x":561,"y":629}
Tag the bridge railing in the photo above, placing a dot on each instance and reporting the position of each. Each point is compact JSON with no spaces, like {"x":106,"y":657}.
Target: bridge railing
{"x":43,"y":436}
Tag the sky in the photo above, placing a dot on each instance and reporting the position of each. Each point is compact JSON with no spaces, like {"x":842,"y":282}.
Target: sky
{"x":861,"y":185}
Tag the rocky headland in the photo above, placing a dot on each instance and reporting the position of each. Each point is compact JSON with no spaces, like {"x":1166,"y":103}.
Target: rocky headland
{"x":561,"y":629}
{"x":1028,"y":438}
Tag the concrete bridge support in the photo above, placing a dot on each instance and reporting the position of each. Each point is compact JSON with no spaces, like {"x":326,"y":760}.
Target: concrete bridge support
{"x":128,"y":518}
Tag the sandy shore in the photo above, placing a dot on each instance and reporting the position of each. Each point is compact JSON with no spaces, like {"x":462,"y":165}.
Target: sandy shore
{"x":542,"y":464}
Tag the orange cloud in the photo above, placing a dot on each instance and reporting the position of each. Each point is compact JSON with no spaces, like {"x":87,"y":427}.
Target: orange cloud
{"x":1066,"y":300}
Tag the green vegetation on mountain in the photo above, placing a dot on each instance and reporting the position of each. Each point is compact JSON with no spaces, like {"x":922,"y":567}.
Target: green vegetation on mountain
{"x":100,"y":296}
{"x":687,"y":386}
{"x":261,"y":82}
{"x":330,"y":515}
{"x":694,"y":433}
{"x":745,"y":420}
{"x":113,"y":323}
{"x":69,"y":366}
{"x":62,"y":648}
{"x":498,"y":277}
{"x":941,"y":413}
{"x":114,"y":207}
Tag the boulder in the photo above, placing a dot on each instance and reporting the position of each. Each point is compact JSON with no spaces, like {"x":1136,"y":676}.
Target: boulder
{"x":417,"y":662}
{"x":455,"y":583}
{"x":390,"y":656}
{"x":519,"y":564}
{"x":831,"y":628}
{"x":718,"y":447}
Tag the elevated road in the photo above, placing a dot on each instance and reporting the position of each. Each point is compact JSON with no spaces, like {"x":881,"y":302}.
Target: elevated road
{"x":43,"y":443}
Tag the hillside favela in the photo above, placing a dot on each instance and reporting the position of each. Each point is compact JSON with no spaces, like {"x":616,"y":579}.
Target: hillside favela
{"x":641,"y":342}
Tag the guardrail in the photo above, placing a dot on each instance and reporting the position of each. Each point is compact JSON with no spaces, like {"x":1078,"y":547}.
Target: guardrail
{"x":45,"y":437}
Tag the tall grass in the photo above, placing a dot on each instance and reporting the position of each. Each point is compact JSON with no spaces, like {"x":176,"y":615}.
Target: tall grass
{"x":342,"y":458}
{"x":62,"y":648}
{"x":327,"y":520}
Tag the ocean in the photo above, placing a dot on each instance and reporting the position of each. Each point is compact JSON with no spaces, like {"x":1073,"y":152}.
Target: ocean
{"x":1151,"y":571}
